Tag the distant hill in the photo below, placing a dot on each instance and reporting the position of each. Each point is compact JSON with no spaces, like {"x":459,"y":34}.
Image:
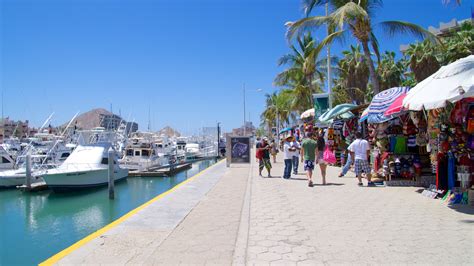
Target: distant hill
{"x":170,"y":132}
{"x":89,"y":119}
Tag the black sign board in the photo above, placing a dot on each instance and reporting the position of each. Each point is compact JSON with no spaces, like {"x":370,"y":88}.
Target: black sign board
{"x":240,"y":149}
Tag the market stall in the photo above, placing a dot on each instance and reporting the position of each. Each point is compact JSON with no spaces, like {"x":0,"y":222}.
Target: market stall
{"x":445,"y":100}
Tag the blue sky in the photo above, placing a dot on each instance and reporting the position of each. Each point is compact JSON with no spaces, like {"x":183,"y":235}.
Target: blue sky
{"x":185,"y":60}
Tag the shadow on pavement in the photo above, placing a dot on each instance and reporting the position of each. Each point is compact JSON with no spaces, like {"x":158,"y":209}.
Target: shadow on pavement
{"x":329,"y":184}
{"x":464,"y":209}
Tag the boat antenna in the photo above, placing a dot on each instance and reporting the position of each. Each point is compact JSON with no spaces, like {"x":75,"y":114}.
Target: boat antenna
{"x":149,"y":122}
{"x":62,"y":134}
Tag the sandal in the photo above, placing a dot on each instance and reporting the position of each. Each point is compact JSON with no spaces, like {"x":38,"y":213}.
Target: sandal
{"x":360,"y":184}
{"x":310,"y":184}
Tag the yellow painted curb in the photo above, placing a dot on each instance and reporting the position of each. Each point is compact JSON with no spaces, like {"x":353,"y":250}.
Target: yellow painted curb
{"x":55,"y":258}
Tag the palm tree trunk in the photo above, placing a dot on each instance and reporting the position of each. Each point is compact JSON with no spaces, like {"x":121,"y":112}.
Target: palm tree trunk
{"x":373,"y":76}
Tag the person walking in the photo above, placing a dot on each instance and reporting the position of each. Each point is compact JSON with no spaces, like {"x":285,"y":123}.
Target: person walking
{"x":360,"y":152}
{"x":296,"y":155}
{"x":288,"y":151}
{"x":308,"y":156}
{"x":347,"y":165}
{"x":321,"y":145}
{"x":274,"y":150}
{"x":264,"y":160}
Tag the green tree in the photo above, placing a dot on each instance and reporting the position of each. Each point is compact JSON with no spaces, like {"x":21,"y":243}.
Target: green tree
{"x":423,"y":59}
{"x":351,"y":85}
{"x":304,"y":73}
{"x":353,"y":17}
{"x":277,"y":110}
{"x":459,"y":45}
{"x":391,"y":72}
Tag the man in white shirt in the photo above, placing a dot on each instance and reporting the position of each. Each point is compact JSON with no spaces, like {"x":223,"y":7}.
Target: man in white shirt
{"x":296,"y":155}
{"x":288,"y":152}
{"x":360,"y":152}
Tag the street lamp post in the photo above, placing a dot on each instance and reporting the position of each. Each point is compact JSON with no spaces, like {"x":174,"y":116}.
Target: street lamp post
{"x":245,"y":127}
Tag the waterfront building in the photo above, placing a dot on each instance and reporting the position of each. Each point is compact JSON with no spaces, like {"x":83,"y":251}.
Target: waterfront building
{"x":10,"y":128}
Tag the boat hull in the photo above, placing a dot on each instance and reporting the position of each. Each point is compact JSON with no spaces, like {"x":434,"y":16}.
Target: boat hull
{"x":81,"y":179}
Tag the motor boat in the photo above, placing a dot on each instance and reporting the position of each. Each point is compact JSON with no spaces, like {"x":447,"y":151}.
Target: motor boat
{"x":17,"y":177}
{"x":86,"y":167}
{"x":7,"y":161}
{"x":143,"y":154}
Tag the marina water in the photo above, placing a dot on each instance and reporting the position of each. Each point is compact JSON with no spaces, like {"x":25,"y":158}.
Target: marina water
{"x":35,"y":226}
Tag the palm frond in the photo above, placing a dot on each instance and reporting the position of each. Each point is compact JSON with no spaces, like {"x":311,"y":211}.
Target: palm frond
{"x":286,"y":59}
{"x":302,"y":25}
{"x":395,"y":27}
{"x":329,"y":40}
{"x":348,"y":12}
{"x":309,"y":5}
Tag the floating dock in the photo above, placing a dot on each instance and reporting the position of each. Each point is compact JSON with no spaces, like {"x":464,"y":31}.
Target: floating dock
{"x":168,"y":171}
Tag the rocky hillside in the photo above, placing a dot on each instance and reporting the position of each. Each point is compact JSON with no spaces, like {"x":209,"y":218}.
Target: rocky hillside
{"x":170,"y":132}
{"x":89,"y":119}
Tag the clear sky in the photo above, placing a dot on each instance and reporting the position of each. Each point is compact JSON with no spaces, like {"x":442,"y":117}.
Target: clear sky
{"x":185,"y":60}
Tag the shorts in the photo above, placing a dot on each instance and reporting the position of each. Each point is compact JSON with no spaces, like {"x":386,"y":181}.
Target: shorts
{"x":264,"y":162}
{"x":308,"y":165}
{"x":320,"y":159}
{"x":361,"y":166}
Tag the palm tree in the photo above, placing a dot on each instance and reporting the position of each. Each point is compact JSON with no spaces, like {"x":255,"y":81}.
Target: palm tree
{"x":304,"y":75}
{"x":390,"y":72}
{"x":353,"y":17}
{"x":278,"y":109}
{"x":423,"y":59}
{"x":460,"y":44}
{"x":352,"y":83}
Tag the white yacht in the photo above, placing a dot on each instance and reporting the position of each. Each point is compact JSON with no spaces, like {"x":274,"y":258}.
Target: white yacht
{"x":142,"y":154}
{"x":17,"y":177}
{"x":193,"y":151}
{"x":87,"y":166}
{"x":7,"y":161}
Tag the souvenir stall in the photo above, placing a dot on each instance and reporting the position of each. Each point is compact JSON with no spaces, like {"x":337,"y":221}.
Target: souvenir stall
{"x":341,"y":125}
{"x":446,"y":101}
{"x":399,"y":154}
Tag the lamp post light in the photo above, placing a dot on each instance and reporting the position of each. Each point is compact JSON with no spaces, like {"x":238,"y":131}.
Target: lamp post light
{"x":245,"y":118}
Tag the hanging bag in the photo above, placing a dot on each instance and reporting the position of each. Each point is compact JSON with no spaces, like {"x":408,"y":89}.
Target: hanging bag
{"x":329,"y":156}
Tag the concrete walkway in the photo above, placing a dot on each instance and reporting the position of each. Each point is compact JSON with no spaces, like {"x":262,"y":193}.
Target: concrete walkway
{"x":232,"y":216}
{"x":341,"y":223}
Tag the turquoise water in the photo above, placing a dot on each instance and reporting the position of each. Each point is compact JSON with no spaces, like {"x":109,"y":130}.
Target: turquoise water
{"x":35,"y":226}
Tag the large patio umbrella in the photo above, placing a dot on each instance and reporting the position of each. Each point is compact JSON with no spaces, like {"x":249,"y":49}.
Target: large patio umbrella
{"x":450,"y":83}
{"x":381,"y":102}
{"x":396,"y":107}
{"x":308,"y":113}
{"x":341,"y":110}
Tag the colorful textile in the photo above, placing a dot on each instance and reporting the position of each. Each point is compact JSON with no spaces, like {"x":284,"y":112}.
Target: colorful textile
{"x":400,"y":145}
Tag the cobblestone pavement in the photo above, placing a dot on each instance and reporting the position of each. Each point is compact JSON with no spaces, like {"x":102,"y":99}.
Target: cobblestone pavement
{"x":341,"y":223}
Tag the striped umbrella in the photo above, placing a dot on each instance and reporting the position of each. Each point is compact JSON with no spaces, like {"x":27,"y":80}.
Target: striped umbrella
{"x":397,"y":106}
{"x":381,"y":102}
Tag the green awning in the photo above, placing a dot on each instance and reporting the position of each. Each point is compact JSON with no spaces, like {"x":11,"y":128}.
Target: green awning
{"x":342,"y":111}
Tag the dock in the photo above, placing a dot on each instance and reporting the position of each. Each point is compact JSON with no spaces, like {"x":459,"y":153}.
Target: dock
{"x":168,"y":171}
